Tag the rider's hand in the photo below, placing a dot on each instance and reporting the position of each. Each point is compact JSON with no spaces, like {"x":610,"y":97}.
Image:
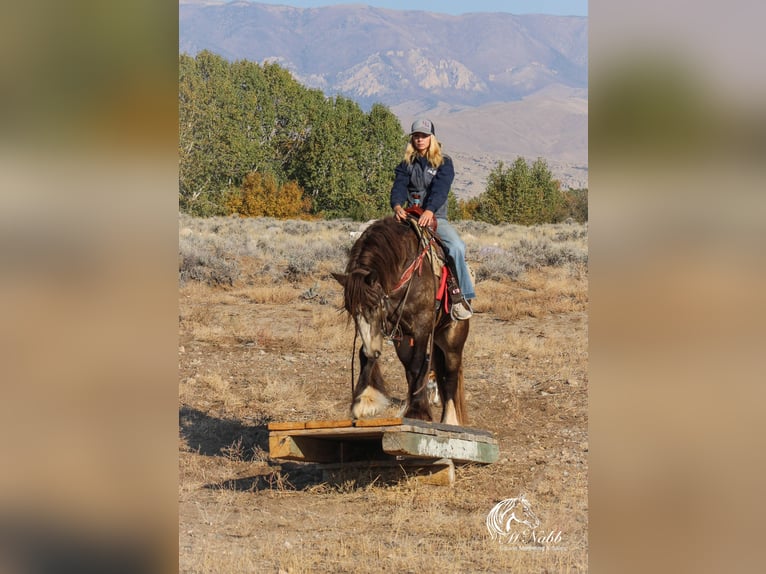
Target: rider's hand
{"x":426,"y":219}
{"x":399,"y":213}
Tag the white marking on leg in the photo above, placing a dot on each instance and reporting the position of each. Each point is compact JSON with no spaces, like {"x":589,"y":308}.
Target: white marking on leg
{"x":432,"y":390}
{"x":369,"y":403}
{"x":449,"y":416}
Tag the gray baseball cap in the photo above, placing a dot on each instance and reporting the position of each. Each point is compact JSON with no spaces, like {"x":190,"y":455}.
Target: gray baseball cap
{"x":422,"y":126}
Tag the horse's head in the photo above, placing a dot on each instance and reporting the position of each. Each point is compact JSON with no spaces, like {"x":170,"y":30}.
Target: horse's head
{"x":364,"y":301}
{"x":521,"y":512}
{"x":510,"y":514}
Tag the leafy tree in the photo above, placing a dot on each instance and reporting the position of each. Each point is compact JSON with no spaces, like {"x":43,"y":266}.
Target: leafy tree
{"x":547,"y":192}
{"x":521,"y":194}
{"x":347,"y":163}
{"x":453,"y":208}
{"x":242,"y":118}
{"x":200,"y":133}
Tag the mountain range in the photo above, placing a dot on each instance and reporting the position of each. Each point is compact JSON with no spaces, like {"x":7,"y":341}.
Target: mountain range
{"x":496,"y":85}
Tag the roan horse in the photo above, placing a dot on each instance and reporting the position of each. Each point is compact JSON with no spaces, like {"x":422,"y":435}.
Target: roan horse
{"x":385,"y":301}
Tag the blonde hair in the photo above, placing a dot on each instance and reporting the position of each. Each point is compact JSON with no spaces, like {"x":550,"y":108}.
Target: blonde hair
{"x":433,"y":153}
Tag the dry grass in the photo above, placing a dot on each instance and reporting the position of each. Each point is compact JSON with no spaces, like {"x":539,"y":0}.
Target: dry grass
{"x":270,"y":344}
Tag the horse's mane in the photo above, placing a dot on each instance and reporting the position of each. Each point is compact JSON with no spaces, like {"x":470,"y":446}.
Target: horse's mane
{"x":377,"y":255}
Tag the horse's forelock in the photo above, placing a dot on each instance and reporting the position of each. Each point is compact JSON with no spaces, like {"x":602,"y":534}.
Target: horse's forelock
{"x":382,"y":248}
{"x":359,"y":293}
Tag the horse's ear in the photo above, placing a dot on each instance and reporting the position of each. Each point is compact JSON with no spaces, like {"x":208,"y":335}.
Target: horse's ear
{"x":340,"y":278}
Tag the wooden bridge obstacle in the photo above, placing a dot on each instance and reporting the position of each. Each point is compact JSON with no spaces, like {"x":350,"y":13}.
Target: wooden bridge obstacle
{"x":382,"y":447}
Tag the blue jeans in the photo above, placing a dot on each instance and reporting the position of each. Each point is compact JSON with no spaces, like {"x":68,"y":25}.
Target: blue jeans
{"x":456,"y":249}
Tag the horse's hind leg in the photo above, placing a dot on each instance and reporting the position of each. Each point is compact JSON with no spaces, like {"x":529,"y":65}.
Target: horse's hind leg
{"x":449,"y":377}
{"x":370,"y":396}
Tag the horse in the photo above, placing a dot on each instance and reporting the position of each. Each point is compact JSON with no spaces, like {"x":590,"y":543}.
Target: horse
{"x":390,"y":293}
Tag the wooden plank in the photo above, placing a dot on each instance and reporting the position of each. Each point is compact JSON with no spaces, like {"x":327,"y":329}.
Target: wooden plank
{"x":425,"y":445}
{"x":446,"y":427}
{"x":303,"y":448}
{"x":377,"y":422}
{"x":428,"y":430}
{"x":344,"y":433}
{"x":329,"y":424}
{"x":278,"y":426}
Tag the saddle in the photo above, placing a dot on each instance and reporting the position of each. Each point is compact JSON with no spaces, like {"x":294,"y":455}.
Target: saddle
{"x":437,"y":255}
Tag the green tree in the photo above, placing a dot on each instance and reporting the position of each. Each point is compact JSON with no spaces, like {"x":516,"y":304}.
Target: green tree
{"x":240,"y":118}
{"x":453,"y":208}
{"x":521,"y":194}
{"x":383,"y":144}
{"x":201,"y":175}
{"x":547,"y":192}
{"x":346,"y":166}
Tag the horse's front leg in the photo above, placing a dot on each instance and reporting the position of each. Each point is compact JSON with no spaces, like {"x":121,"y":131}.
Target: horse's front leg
{"x":413,"y":355}
{"x":370,"y":395}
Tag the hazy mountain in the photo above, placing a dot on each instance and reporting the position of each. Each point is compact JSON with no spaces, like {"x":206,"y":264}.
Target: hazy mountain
{"x":496,"y":85}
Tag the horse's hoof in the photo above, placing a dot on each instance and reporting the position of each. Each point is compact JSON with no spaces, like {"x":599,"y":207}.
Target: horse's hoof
{"x":368,"y":404}
{"x":419,"y":415}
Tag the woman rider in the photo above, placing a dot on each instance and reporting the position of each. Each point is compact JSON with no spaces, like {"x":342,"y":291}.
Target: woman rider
{"x":424,"y":178}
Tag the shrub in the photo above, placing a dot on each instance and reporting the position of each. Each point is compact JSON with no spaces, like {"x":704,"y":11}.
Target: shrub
{"x":261,"y":196}
{"x":574,"y":205}
{"x":213,"y":268}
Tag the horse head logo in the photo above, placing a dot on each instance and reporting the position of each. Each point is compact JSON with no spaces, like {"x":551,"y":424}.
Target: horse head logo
{"x":510,"y":514}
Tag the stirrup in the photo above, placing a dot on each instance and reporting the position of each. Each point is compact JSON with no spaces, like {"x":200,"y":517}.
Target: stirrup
{"x":461,"y":310}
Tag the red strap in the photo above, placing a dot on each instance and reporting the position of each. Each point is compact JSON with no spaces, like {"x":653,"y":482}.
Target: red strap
{"x":416,"y":264}
{"x":440,"y":294}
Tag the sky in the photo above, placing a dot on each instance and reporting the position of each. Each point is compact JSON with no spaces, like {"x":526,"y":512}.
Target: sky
{"x":558,"y":7}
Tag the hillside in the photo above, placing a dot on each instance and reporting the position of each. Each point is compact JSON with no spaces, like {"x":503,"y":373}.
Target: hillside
{"x":496,"y":85}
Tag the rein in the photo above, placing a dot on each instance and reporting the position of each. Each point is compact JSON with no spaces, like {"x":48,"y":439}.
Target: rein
{"x":391,"y":335}
{"x":416,"y":265}
{"x":353,"y":360}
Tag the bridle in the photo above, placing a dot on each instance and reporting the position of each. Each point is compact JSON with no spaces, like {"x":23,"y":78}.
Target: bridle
{"x":395,"y":333}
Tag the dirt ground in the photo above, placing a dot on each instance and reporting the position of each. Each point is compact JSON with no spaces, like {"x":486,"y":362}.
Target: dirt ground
{"x":248,"y":356}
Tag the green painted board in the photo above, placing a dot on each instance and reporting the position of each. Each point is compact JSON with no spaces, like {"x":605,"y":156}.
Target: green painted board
{"x":423,"y":445}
